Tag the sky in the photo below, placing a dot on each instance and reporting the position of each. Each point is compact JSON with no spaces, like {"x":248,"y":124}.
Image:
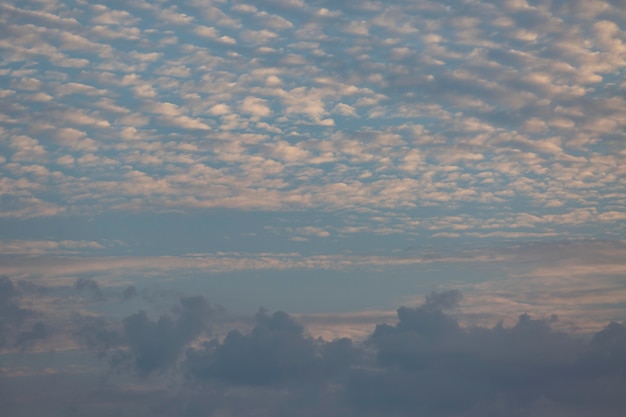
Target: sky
{"x":222,"y":208}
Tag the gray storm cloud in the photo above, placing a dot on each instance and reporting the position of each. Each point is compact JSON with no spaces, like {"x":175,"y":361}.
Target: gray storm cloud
{"x":426,"y":364}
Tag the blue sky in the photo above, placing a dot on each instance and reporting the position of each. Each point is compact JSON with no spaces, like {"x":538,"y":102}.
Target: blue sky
{"x":335,"y":160}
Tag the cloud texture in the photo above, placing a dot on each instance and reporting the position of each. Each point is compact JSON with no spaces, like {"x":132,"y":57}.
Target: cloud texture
{"x":507,"y":117}
{"x":424,"y":363}
{"x":331,"y":159}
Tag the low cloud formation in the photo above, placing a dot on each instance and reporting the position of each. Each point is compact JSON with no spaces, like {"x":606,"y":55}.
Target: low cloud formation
{"x":11,"y":315}
{"x":155,"y":345}
{"x":442,"y":300}
{"x":14,"y":318}
{"x":26,"y":339}
{"x":142,"y":345}
{"x":424,"y":364}
{"x":429,"y":363}
{"x":275,"y":352}
{"x":95,"y":333}
{"x":129,"y":293}
{"x":90,"y":285}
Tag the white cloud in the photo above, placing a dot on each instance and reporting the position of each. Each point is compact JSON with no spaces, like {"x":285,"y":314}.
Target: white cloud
{"x":258,"y":37}
{"x":289,"y":153}
{"x":357,"y":28}
{"x":80,"y":118}
{"x":345,"y":110}
{"x":274,"y":22}
{"x":206,"y":31}
{"x":26,"y":149}
{"x":404,"y":115}
{"x":171,"y":15}
{"x":244,"y":8}
{"x":41,"y":247}
{"x":256,"y":107}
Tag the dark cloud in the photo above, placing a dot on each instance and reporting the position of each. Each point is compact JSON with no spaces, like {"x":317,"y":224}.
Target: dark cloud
{"x":443,"y":300}
{"x":607,"y":351}
{"x":429,"y":364}
{"x":96,"y":333}
{"x":142,"y":345}
{"x":90,"y":285}
{"x":11,"y":314}
{"x":31,"y":287}
{"x":425,"y":364}
{"x":155,"y":345}
{"x":13,"y":318}
{"x":129,"y":293}
{"x":274,"y":351}
{"x":26,"y":339}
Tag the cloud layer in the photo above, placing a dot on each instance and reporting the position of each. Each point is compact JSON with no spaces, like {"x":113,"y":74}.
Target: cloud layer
{"x":507,"y":118}
{"x":331,"y":159}
{"x":426,"y":362}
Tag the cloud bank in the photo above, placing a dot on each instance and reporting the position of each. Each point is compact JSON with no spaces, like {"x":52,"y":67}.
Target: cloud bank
{"x":427,"y":362}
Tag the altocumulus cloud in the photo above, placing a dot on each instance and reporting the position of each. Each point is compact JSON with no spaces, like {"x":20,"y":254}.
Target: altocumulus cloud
{"x":315,"y":156}
{"x":467,"y":107}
